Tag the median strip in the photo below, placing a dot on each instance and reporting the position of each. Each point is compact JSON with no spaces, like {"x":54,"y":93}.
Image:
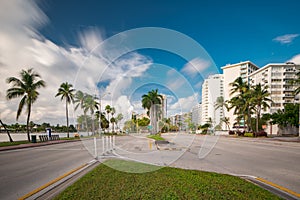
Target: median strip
{"x":51,"y":182}
{"x":278,"y":187}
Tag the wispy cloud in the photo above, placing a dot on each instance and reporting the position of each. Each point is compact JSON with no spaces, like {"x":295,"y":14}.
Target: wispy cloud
{"x":195,"y":67}
{"x":286,"y":39}
{"x":295,"y":59}
{"x":22,"y":46}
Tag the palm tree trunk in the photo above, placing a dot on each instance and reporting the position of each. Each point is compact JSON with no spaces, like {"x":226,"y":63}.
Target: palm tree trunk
{"x":257,"y":118}
{"x":67,"y":115}
{"x":10,"y":139}
{"x":27,"y":123}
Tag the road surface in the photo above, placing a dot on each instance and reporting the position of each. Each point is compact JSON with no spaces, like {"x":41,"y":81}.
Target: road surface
{"x":24,"y":170}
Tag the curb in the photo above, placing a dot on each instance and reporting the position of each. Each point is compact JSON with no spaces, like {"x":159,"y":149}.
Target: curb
{"x":272,"y":187}
{"x":30,"y":145}
{"x":51,"y":185}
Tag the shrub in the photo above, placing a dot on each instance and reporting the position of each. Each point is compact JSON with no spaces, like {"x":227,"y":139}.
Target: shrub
{"x":231,"y":132}
{"x":260,"y":134}
{"x":240,"y":133}
{"x":248,"y":135}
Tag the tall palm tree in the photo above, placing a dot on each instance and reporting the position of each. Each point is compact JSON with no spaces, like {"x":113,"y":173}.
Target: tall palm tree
{"x":226,"y":120}
{"x":90,"y":104}
{"x":113,"y":120}
{"x":79,"y":101}
{"x":108,"y":110}
{"x":26,"y":87}
{"x":241,"y":100}
{"x":66,"y":92}
{"x":260,"y":100}
{"x":149,"y":102}
{"x":118,"y":119}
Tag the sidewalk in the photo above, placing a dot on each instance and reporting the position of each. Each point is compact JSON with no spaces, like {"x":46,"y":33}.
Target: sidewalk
{"x":29,"y":145}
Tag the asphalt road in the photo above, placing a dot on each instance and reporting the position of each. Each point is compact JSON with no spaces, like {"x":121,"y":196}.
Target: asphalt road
{"x":275,"y":161}
{"x":24,"y":170}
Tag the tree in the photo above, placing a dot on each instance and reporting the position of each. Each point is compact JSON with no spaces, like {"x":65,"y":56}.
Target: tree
{"x":67,"y":93}
{"x":149,"y":102}
{"x":287,"y":116}
{"x":79,"y":101}
{"x":108,"y":110}
{"x":226,"y":120}
{"x":118,"y":119}
{"x":113,"y":120}
{"x":26,"y":87}
{"x":241,"y":101}
{"x":259,"y":99}
{"x":8,"y":134}
{"x":90,"y":104}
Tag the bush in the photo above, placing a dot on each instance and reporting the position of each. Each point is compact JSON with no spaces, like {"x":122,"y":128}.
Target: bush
{"x":260,"y":134}
{"x":240,"y":133}
{"x":231,"y":132}
{"x":248,"y":135}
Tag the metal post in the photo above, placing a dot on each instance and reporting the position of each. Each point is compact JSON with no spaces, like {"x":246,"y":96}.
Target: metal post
{"x":95,"y":146}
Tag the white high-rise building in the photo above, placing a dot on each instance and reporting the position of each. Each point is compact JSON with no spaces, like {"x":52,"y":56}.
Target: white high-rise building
{"x":212,"y":88}
{"x":197,"y":114}
{"x":278,"y":79}
{"x":231,"y":72}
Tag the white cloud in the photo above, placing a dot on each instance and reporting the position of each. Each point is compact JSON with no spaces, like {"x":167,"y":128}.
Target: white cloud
{"x":195,"y":67}
{"x":285,"y":39}
{"x":22,"y":47}
{"x":184,"y":104}
{"x":295,"y":59}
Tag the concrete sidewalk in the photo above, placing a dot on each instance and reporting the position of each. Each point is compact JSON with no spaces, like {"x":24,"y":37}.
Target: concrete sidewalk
{"x":29,"y":145}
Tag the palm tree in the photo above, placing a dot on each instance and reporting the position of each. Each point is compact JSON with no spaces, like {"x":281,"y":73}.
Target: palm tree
{"x":66,"y":92}
{"x":118,"y":119}
{"x":260,"y":100}
{"x":26,"y":87}
{"x":79,"y":101}
{"x":90,"y":104}
{"x":108,"y":110}
{"x":241,"y":101}
{"x":9,"y":136}
{"x":113,"y":120}
{"x":226,"y":120}
{"x":149,"y":102}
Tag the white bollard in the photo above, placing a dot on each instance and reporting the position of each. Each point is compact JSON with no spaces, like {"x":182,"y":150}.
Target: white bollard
{"x":106,"y":141}
{"x":103,"y":145}
{"x":114,"y":142}
{"x":95,"y":146}
{"x":110,"y":143}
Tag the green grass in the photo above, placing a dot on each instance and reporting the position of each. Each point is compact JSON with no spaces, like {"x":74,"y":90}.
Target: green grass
{"x":165,"y":183}
{"x":156,"y":137}
{"x":248,"y":135}
{"x":5,"y":144}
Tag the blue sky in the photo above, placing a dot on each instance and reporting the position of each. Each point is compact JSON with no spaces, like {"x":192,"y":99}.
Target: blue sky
{"x":106,"y":47}
{"x":230,"y":31}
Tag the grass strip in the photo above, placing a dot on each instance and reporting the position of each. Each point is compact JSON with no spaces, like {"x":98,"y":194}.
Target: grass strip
{"x":165,"y":183}
{"x":156,"y":137}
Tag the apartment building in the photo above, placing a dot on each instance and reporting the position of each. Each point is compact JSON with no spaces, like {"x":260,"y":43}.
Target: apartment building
{"x":230,"y":73}
{"x":197,"y":114}
{"x":212,"y":88}
{"x":278,"y":77}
